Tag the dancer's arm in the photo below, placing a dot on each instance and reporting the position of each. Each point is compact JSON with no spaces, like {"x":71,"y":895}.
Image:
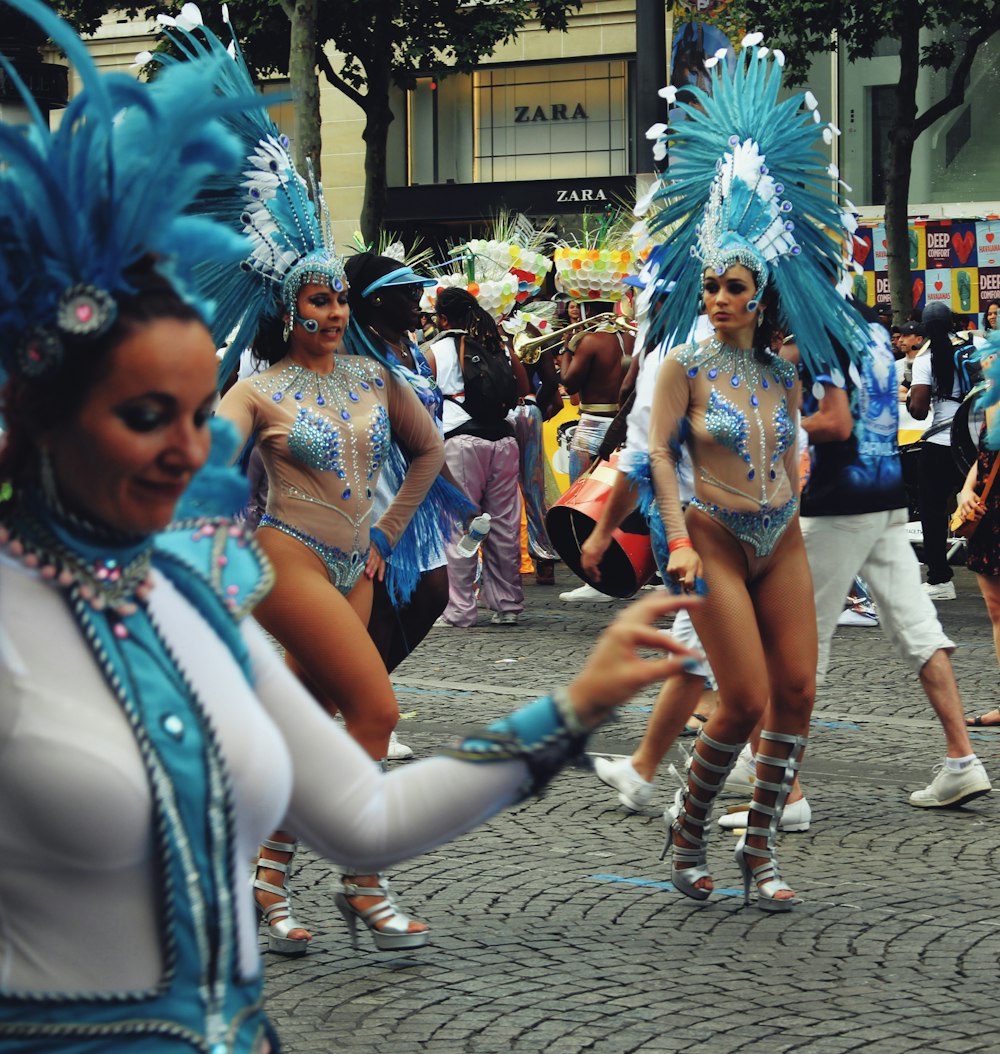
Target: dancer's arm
{"x":346,"y":808}
{"x":239,"y":407}
{"x":670,"y":408}
{"x":418,"y":432}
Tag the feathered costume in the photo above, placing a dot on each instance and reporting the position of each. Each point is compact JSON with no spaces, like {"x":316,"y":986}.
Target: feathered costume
{"x":748,"y":184}
{"x":287,"y":223}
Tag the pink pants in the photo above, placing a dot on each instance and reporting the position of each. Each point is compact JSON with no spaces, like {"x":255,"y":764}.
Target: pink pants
{"x":487,"y":472}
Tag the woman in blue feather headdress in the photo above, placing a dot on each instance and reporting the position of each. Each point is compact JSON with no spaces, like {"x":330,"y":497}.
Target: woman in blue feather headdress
{"x":149,"y":732}
{"x":756,"y":234}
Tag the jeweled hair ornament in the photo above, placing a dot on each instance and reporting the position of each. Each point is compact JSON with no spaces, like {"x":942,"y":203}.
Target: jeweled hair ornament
{"x":748,"y":184}
{"x":283,"y":216}
{"x":81,"y":205}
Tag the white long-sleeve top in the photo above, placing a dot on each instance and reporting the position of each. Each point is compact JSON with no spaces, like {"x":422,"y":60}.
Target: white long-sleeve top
{"x":78,"y":893}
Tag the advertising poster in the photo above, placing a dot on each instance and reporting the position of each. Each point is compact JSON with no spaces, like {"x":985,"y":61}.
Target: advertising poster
{"x":956,"y":262}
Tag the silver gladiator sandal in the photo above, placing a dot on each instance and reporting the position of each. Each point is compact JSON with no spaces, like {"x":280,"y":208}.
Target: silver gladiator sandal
{"x":278,"y":917}
{"x":388,"y":924}
{"x":766,"y":876}
{"x":694,"y":829}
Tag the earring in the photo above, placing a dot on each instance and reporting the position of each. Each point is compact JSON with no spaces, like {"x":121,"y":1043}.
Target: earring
{"x":377,"y":301}
{"x":760,"y":320}
{"x":752,"y":306}
{"x":286,"y":330}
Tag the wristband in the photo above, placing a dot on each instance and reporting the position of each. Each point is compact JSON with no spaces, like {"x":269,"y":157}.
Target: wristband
{"x":679,"y":543}
{"x":381,"y":543}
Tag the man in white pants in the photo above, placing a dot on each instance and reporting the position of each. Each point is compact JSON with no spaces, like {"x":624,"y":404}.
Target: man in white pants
{"x":853,"y":517}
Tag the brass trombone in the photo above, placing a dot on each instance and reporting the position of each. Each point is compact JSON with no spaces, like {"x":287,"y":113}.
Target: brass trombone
{"x":530,"y":349}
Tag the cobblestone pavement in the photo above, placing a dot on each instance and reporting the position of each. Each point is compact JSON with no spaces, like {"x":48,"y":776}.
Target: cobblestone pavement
{"x":554,"y":926}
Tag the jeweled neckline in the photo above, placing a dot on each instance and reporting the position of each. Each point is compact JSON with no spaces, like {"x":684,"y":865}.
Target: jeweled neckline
{"x":332,"y":389}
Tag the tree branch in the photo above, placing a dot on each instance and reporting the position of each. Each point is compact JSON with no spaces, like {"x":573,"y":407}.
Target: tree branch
{"x":337,"y":81}
{"x":956,"y":93}
{"x":289,"y":8}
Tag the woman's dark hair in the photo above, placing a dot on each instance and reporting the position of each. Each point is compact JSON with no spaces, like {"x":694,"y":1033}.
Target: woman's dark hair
{"x":462,"y":310}
{"x":269,"y":343}
{"x":770,"y":322}
{"x":38,"y":404}
{"x":937,"y":326}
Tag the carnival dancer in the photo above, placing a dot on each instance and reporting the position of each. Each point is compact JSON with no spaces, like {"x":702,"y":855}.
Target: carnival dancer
{"x":385,"y":298}
{"x":149,"y":759}
{"x":758,"y":234}
{"x":326,"y":423}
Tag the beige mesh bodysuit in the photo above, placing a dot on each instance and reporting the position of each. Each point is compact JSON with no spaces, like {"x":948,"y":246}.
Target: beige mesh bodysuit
{"x":734,"y":413}
{"x":324,"y":439}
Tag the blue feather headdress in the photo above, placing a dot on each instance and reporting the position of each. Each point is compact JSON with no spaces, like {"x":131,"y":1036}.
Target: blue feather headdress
{"x":748,"y":184}
{"x":82,"y":205}
{"x":284,"y":217}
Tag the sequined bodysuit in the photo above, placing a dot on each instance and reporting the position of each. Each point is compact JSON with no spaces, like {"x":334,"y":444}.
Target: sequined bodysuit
{"x":324,"y":439}
{"x":733,"y":412}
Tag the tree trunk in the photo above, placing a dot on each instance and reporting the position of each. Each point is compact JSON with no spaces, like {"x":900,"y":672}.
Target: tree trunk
{"x":897,"y":172}
{"x":304,"y":82}
{"x":378,"y":117}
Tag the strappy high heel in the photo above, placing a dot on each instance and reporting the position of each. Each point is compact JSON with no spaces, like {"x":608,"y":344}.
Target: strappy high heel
{"x":278,"y":917}
{"x":694,"y":854}
{"x":387,"y":923}
{"x":766,"y":876}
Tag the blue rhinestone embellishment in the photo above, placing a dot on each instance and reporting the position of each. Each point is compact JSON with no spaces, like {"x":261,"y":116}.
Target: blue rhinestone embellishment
{"x":735,"y":382}
{"x":346,"y":494}
{"x":345,"y":415}
{"x":379,"y":383}
{"x":367,"y":387}
{"x":353,"y":396}
{"x":278,"y":396}
{"x":693,"y":372}
{"x":298,"y":396}
{"x":713,"y":373}
{"x":754,"y":401}
{"x":320,"y":401}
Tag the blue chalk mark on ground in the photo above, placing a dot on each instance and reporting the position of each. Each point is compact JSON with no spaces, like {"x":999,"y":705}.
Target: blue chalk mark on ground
{"x":637,"y":709}
{"x":621,"y":880}
{"x":399,"y":689}
{"x":836,"y":724}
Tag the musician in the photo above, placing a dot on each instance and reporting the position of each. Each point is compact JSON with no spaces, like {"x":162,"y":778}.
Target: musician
{"x":594,"y":365}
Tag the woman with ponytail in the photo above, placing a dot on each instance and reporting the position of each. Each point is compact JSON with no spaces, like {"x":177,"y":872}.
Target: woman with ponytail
{"x":937,"y":390}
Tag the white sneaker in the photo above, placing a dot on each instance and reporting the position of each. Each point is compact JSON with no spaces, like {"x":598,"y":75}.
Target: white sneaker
{"x":941,"y":591}
{"x":398,"y":751}
{"x":741,"y":779}
{"x":953,"y":788}
{"x":504,"y":618}
{"x":585,"y":594}
{"x":858,"y":615}
{"x":796,"y":817}
{"x":634,"y":792}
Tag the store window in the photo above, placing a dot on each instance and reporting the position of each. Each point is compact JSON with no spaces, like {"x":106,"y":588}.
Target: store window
{"x":550,"y":122}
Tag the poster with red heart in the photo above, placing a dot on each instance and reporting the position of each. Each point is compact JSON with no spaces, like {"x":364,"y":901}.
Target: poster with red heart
{"x":988,"y":243}
{"x":938,"y":286}
{"x":963,"y":244}
{"x":864,"y":251}
{"x":881,"y":249}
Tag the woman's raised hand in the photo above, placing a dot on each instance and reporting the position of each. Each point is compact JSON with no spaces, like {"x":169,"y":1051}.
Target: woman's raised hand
{"x":615,"y":670}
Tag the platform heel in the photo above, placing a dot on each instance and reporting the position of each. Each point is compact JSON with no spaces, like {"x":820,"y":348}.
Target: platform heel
{"x":278,"y":916}
{"x":766,"y":876}
{"x":388,"y":924}
{"x":701,"y":793}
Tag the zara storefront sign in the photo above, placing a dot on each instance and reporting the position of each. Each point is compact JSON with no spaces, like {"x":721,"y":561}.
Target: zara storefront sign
{"x":557,"y":111}
{"x":583,"y":194}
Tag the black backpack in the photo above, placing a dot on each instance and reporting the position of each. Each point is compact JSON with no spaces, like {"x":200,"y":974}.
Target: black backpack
{"x":490,"y":388}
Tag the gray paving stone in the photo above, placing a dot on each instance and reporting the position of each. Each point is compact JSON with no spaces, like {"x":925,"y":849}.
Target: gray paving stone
{"x":542,"y":941}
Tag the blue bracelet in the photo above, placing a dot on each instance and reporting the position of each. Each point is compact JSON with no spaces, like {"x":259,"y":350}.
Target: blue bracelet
{"x":379,"y":540}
